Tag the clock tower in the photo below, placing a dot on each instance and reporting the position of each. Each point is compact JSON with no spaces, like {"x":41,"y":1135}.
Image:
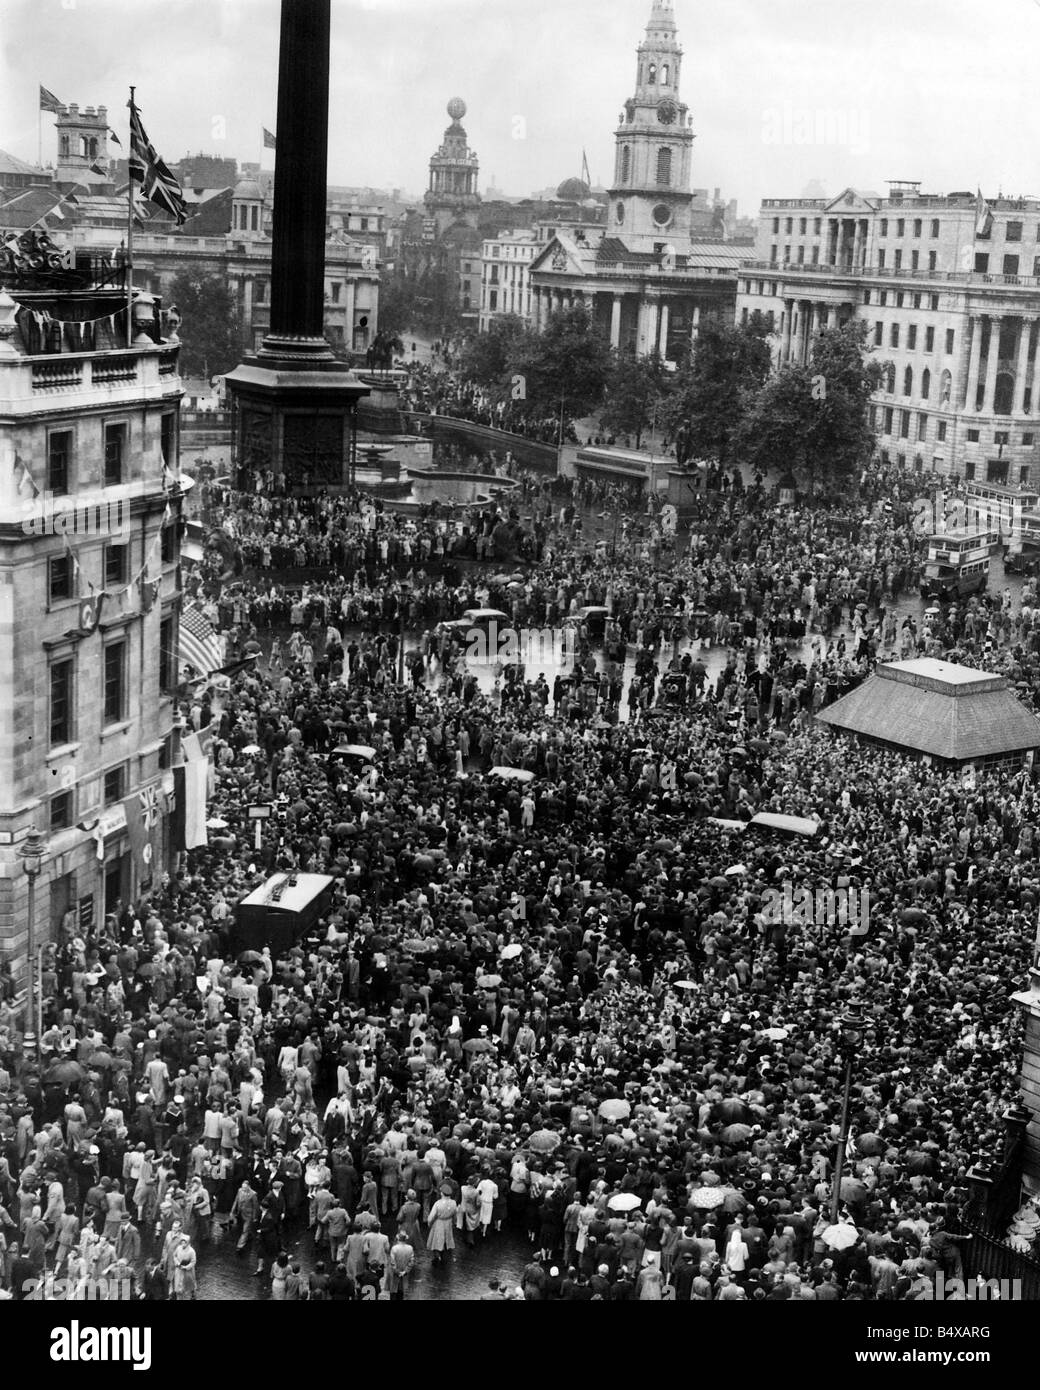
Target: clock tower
{"x":650,"y":199}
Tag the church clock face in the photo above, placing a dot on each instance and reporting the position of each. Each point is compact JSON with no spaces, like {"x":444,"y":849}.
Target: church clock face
{"x":667,"y":112}
{"x":619,"y":212}
{"x":662,"y":215}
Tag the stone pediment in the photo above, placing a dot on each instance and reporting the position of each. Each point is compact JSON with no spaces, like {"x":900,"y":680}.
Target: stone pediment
{"x":852,"y":201}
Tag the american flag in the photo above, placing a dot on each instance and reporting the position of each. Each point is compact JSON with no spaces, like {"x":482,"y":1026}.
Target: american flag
{"x":146,"y":168}
{"x":199,"y":646}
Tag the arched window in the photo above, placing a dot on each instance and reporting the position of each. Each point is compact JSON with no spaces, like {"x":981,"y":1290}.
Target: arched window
{"x":84,"y":147}
{"x":926,"y":384}
{"x":664,"y":74}
{"x":626,"y":162}
{"x":908,"y":381}
{"x":890,"y":383}
{"x":664,"y":166}
{"x":652,"y":74}
{"x":256,"y":219}
{"x":945,"y":387}
{"x":93,"y":148}
{"x":64,"y":147}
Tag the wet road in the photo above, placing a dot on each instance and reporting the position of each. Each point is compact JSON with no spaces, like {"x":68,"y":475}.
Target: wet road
{"x":224,"y":1275}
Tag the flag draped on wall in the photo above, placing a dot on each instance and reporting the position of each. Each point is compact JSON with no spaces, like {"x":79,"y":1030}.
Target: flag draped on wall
{"x":199,"y":646}
{"x":142,"y":818}
{"x":147,"y":169}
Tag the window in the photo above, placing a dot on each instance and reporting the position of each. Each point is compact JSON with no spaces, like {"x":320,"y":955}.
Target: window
{"x":167,"y":664}
{"x":168,"y":438}
{"x":115,"y":784}
{"x":901,"y":227}
{"x":915,"y":257}
{"x":59,"y":456}
{"x":61,"y":811}
{"x":1036,"y":265}
{"x":904,"y":424}
{"x":900,"y":297}
{"x":981,"y":262}
{"x":626,"y":162}
{"x":816,"y":255}
{"x":884,"y":227}
{"x":935,"y":303}
{"x":117,"y":566}
{"x":917,"y":226}
{"x":866,"y":296}
{"x":888,"y":419}
{"x":926,"y":384}
{"x":776,"y":226}
{"x":935,"y":226}
{"x":254,"y":221}
{"x":940,"y":431}
{"x":803,"y":226}
{"x":883,"y":298}
{"x":881,"y":260}
{"x":787,"y":255}
{"x":115,"y":448}
{"x":908,"y":382}
{"x":890,"y":378}
{"x":1013,"y":231}
{"x":1027,"y":439}
{"x":115,"y":682}
{"x":59,"y":578}
{"x":493,"y":298}
{"x":61,"y":703}
{"x":969,"y":470}
{"x":817,"y":226}
{"x":1010,"y":265}
{"x":893,"y":335}
{"x":949,"y":341}
{"x":922,"y":425}
{"x":898,"y":263}
{"x":336,"y":291}
{"x":788,"y":225}
{"x":801,"y":255}
{"x":664,"y":166}
{"x":916,"y":301}
{"x":911,"y":337}
{"x":973,"y":436}
{"x":929,"y":340}
{"x":773,"y":250}
{"x":167,"y":543}
{"x":879,"y":334}
{"x":931,"y":260}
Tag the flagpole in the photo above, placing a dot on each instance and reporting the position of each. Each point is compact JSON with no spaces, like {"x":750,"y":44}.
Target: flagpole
{"x":129,"y":267}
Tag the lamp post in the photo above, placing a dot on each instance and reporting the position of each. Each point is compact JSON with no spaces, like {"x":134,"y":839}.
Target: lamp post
{"x":32,"y":853}
{"x":853,"y":1026}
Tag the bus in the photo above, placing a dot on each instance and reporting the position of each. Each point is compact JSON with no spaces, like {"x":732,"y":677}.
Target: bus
{"x":957,"y":563}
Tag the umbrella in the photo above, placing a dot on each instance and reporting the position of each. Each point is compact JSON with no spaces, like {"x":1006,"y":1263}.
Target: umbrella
{"x":736,"y":869}
{"x":852,"y":1190}
{"x":250,"y":749}
{"x":415,"y":944}
{"x":870,"y":1144}
{"x":216,"y":824}
{"x":478,"y":1045}
{"x":545,"y":1140}
{"x":913,"y":914}
{"x":775,"y":1034}
{"x":511,"y":952}
{"x":735,"y":1134}
{"x":250,"y":958}
{"x":705,"y":1198}
{"x":614,"y":1109}
{"x":719,"y":881}
{"x":512,"y":774}
{"x":731,"y":1109}
{"x":841,"y":1236}
{"x":489,"y":981}
{"x":64,"y":1073}
{"x":684,"y":984}
{"x":624,"y":1201}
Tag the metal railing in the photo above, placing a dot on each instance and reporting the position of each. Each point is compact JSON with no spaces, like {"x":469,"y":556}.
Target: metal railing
{"x":957,"y":277}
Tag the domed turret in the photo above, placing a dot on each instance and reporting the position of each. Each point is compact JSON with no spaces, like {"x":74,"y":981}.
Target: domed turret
{"x":456,"y":108}
{"x":573,"y":191}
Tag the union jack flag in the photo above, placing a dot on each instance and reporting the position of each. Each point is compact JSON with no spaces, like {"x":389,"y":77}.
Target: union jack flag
{"x":149,"y":799}
{"x":147,"y":168}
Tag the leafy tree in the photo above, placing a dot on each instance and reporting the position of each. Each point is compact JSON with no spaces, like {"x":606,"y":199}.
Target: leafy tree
{"x":211,"y":331}
{"x":814,"y":419}
{"x":714,"y":388}
{"x":635,"y":387}
{"x":486,"y":358}
{"x":565,"y":368}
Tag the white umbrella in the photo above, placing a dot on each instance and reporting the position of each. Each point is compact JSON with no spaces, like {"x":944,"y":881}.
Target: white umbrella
{"x":840,"y":1236}
{"x":615,"y":1109}
{"x":775,"y":1034}
{"x":624,"y":1201}
{"x":216,"y":824}
{"x":707,"y":1198}
{"x":684,"y":984}
{"x":251,"y":748}
{"x":511,"y":952}
{"x":735,"y":870}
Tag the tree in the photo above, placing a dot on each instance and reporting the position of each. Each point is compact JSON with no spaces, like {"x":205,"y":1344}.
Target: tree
{"x":635,"y":387}
{"x":814,"y":419}
{"x":211,"y":333}
{"x":486,"y":358}
{"x":564,"y":369}
{"x":713,"y":390}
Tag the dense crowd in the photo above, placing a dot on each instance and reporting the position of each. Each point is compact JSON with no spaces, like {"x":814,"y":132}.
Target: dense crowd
{"x":550,"y":1001}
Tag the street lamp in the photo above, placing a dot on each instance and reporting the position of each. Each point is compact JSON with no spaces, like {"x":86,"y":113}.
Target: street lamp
{"x":853,"y":1026}
{"x":32,"y":853}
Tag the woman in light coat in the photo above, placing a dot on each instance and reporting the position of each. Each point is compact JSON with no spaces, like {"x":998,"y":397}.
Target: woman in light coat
{"x":441,"y":1235}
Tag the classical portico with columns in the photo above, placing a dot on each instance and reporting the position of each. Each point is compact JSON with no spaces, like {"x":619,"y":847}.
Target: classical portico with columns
{"x":644,"y":279}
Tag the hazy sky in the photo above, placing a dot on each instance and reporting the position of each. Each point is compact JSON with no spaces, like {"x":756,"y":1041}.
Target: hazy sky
{"x":782,"y":91}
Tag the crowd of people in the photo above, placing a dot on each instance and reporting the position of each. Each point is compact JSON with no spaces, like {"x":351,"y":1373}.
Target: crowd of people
{"x":546,"y":1005}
